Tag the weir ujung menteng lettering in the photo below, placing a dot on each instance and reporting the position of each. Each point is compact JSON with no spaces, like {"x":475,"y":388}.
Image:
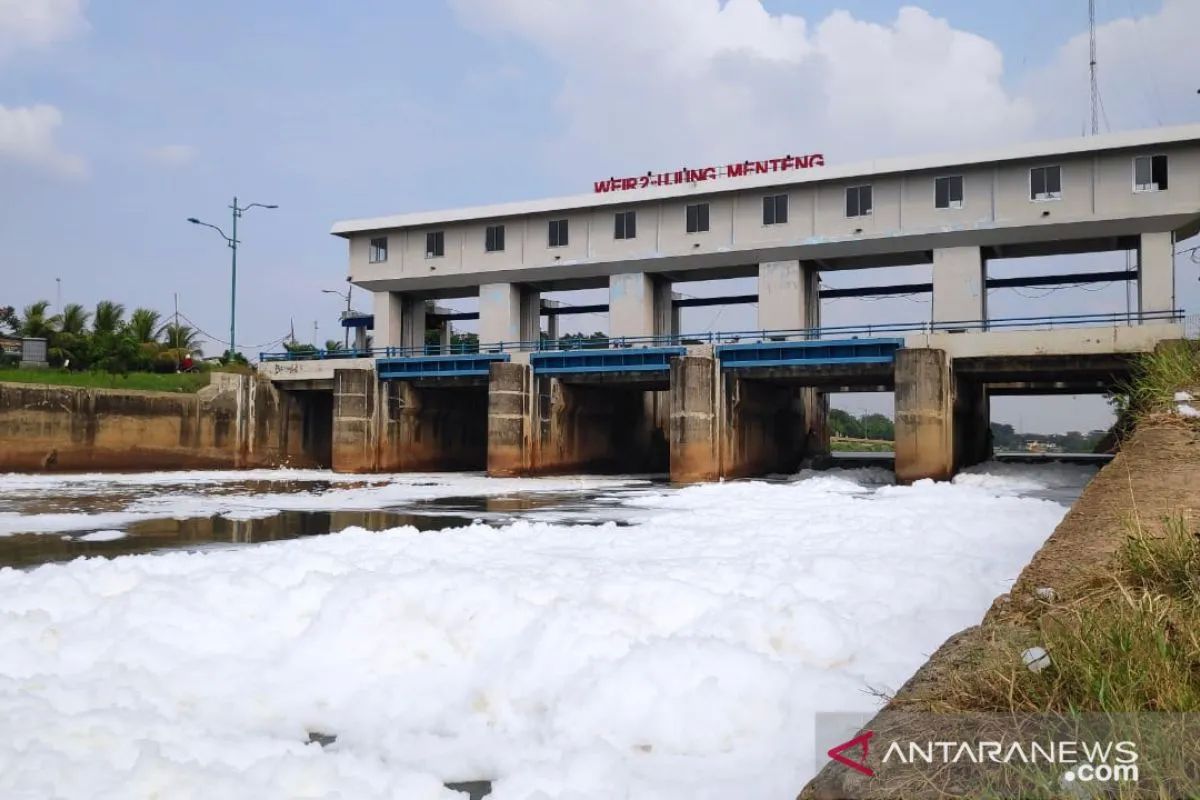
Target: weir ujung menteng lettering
{"x":685,"y":175}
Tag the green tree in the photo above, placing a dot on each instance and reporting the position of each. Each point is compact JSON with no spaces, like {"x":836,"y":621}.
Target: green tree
{"x":182,"y":337}
{"x":333,"y":345}
{"x":109,"y":318}
{"x":74,"y":320}
{"x":144,"y":325}
{"x":877,"y":426}
{"x":9,"y":321}
{"x":842,"y":423}
{"x":34,"y":321}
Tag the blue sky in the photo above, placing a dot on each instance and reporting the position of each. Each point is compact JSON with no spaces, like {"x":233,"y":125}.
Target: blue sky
{"x":151,"y":113}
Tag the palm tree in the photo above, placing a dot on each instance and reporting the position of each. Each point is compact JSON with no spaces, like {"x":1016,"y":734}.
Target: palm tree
{"x":333,"y":344}
{"x":34,"y":322}
{"x":109,"y":317}
{"x":144,"y":325}
{"x":74,"y":319}
{"x":182,"y":337}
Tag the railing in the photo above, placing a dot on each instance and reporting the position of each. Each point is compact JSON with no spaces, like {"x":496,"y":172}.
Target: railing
{"x":733,"y":337}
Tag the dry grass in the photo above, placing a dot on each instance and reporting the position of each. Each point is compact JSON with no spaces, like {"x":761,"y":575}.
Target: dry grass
{"x":1131,"y":643}
{"x":1156,"y":377}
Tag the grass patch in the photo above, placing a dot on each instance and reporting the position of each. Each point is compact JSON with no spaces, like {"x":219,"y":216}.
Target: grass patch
{"x":141,"y":381}
{"x":1157,"y":376}
{"x":844,"y":444}
{"x":1131,"y":644}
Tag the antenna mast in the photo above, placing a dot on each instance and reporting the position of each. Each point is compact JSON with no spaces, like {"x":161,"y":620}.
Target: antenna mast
{"x":1092,"y":67}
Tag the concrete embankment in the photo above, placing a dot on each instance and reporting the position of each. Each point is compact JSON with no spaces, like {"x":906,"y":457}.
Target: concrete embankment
{"x":236,"y":421}
{"x":1156,"y":474}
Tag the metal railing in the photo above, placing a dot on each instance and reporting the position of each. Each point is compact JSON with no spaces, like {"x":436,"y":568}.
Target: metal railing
{"x":735,"y":337}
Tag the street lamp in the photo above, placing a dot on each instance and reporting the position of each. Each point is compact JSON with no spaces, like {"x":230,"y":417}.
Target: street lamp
{"x":232,"y":241}
{"x":349,"y":289}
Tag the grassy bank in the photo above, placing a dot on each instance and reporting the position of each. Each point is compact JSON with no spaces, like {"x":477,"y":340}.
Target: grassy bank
{"x":143,"y":381}
{"x":845,"y":444}
{"x":1107,"y":611}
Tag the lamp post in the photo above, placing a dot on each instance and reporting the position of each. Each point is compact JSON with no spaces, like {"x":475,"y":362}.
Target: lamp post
{"x":232,"y":241}
{"x":349,"y":289}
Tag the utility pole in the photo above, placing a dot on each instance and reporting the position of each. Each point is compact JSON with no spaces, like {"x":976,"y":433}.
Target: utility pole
{"x":1092,"y":67}
{"x":232,"y":241}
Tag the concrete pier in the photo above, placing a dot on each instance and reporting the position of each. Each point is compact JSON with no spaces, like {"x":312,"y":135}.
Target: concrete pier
{"x":397,"y":426}
{"x":700,"y":412}
{"x":510,"y":415}
{"x":695,"y":428}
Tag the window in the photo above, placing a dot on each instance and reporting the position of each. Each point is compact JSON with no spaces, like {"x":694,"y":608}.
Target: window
{"x":625,"y":226}
{"x":378,"y":250}
{"x":1150,"y":173}
{"x":493,"y":238}
{"x":775,"y":209}
{"x":435,"y":244}
{"x":858,"y":201}
{"x":558,"y":233}
{"x":697,"y":218}
{"x":948,"y":192}
{"x":1045,"y":183}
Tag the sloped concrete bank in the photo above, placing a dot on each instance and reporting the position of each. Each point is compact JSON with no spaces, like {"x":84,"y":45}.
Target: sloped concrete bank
{"x":236,"y":421}
{"x":1156,"y":473}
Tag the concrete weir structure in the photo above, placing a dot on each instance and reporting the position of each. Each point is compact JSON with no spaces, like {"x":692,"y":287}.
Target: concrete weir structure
{"x":712,"y":404}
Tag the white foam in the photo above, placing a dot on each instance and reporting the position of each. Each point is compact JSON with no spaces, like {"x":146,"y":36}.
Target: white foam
{"x":103,"y":536}
{"x":682,"y":656}
{"x":189,"y":496}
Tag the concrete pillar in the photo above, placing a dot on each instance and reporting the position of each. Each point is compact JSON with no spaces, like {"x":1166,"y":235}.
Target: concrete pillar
{"x":959,"y":285}
{"x":360,"y":338}
{"x":445,"y":336}
{"x":510,"y":417}
{"x":788,"y":296}
{"x":508,"y":312}
{"x":694,"y":434}
{"x":388,"y":313}
{"x":639,"y":305}
{"x":552,"y":321}
{"x":412,"y":324}
{"x":924,"y":415}
{"x":399,"y":320}
{"x":1156,"y":272}
{"x":354,"y":420}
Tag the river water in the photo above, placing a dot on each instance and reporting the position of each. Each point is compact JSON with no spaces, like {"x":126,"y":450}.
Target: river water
{"x":576,"y":637}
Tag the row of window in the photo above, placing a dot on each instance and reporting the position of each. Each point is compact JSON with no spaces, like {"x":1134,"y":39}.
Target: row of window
{"x":1045,"y":183}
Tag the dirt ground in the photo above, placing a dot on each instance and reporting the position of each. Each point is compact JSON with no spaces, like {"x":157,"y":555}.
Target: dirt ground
{"x":1156,"y":473}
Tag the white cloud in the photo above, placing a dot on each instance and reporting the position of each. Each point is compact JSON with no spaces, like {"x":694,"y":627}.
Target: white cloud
{"x":27,"y":137}
{"x":37,"y":23}
{"x":1149,"y":69}
{"x":172,"y":155}
{"x":701,"y":79}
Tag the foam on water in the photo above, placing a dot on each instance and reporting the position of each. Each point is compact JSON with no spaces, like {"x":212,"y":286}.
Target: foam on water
{"x":681,"y":656}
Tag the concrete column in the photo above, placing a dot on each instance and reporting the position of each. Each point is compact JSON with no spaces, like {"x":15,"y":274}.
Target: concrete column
{"x":354,"y":420}
{"x":959,"y":285}
{"x":694,"y":434}
{"x":445,"y":335}
{"x":412,"y":323}
{"x":399,"y":320}
{"x":638,"y":305}
{"x":788,"y":296}
{"x":510,"y":417}
{"x":552,"y":319}
{"x":508,"y":312}
{"x":1156,"y":272}
{"x":664,"y":318}
{"x":388,"y":313}
{"x":924,"y":415}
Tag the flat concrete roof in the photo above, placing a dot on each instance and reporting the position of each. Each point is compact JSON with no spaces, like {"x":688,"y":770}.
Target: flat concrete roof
{"x":1018,"y":152}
